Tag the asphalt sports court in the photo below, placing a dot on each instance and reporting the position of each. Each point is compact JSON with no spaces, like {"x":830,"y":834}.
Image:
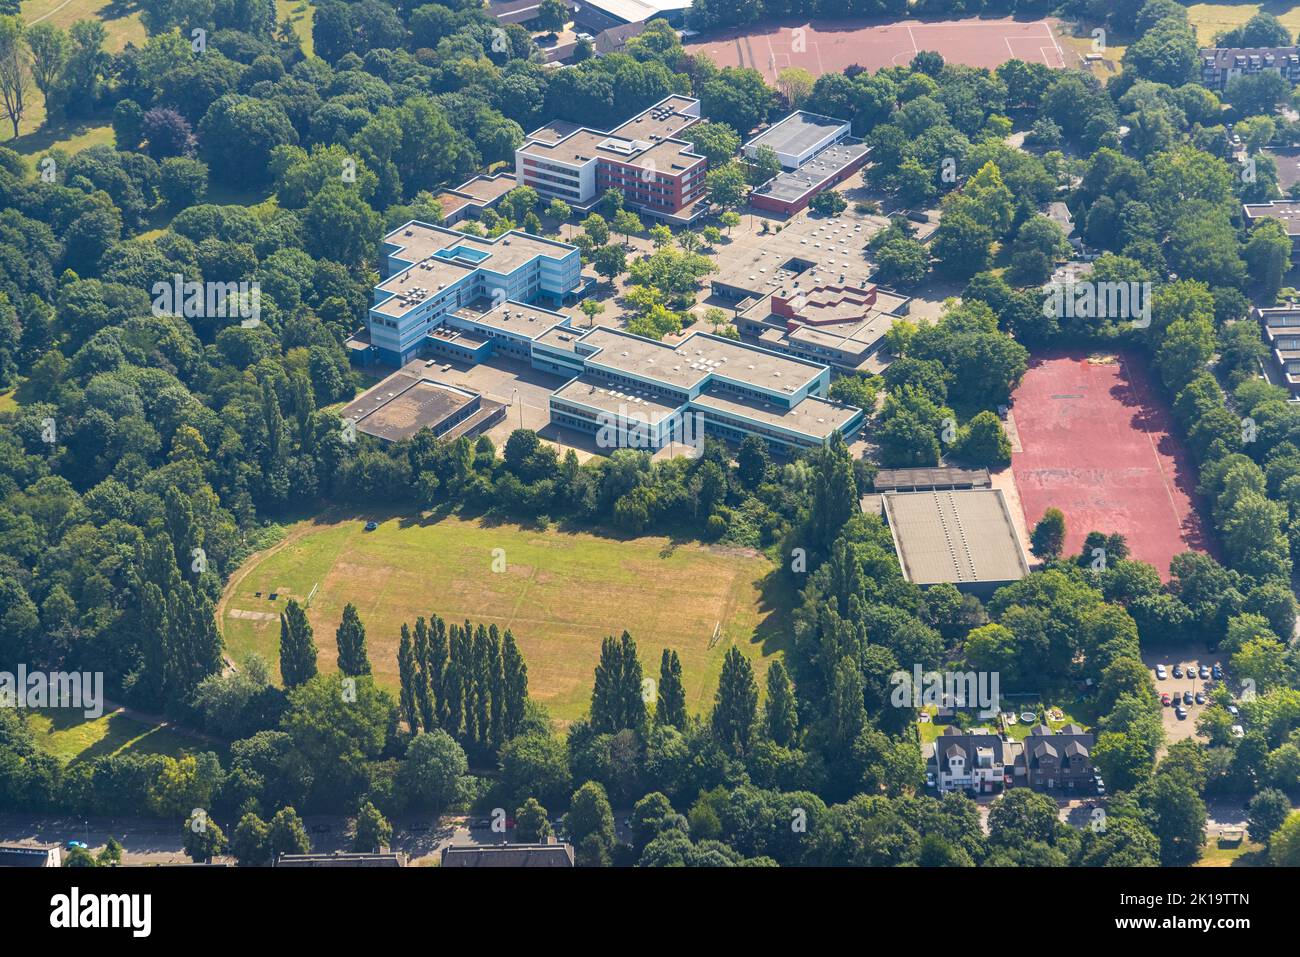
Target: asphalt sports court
{"x":1095,"y":441}
{"x":828,"y":46}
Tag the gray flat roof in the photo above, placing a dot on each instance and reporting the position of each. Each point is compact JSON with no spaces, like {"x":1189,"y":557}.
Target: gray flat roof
{"x":404,"y":403}
{"x":790,"y":185}
{"x":797,"y":132}
{"x":963,"y":537}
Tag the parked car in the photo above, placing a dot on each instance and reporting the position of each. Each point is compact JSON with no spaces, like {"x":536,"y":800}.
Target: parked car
{"x":1178,"y":671}
{"x":1164,"y":699}
{"x":1187,"y":697}
{"x":1098,"y":784}
{"x":1233,"y":710}
{"x":1161,"y":673}
{"x":1181,"y":712}
{"x":1204,"y":672}
{"x":929,"y":779}
{"x":1237,"y":731}
{"x":75,"y":844}
{"x":1217,"y":672}
{"x":482,"y":824}
{"x":1200,"y":697}
{"x":371,"y":526}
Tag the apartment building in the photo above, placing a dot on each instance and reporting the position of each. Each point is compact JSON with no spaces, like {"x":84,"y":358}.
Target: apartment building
{"x":1220,"y":64}
{"x":437,"y":277}
{"x":975,"y":760}
{"x":656,"y":169}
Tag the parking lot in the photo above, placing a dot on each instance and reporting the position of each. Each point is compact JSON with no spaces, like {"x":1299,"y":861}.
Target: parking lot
{"x":1176,"y":729}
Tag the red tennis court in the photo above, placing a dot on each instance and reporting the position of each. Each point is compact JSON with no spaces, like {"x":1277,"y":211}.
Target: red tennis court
{"x":828,"y":46}
{"x":1095,"y":442}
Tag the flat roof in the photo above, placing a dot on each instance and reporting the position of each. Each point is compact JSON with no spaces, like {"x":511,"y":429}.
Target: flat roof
{"x":648,"y":137}
{"x":487,"y":188}
{"x":813,"y":250}
{"x":961,"y":536}
{"x":403,"y":403}
{"x":518,"y":318}
{"x":635,"y":11}
{"x":462,"y":254}
{"x":798,"y":132}
{"x":637,"y":405}
{"x":812,"y":416}
{"x":1285,"y":211}
{"x":695,"y":358}
{"x":791,"y":185}
{"x":888,"y":480}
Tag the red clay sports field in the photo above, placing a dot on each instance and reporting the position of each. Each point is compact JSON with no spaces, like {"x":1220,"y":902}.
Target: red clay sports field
{"x":828,"y":46}
{"x":1096,"y":442}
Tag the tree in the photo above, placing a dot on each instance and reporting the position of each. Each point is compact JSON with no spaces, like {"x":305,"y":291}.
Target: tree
{"x":591,"y":309}
{"x":559,"y":210}
{"x":1268,"y":256}
{"x":408,"y":674}
{"x":796,"y":85}
{"x":902,"y":262}
{"x":372,"y":832}
{"x":287,"y":834}
{"x":204,"y":840}
{"x":1284,"y":849}
{"x":717,"y":142}
{"x":49,"y":48}
{"x":961,"y":245}
{"x":433,"y":773}
{"x":616,"y":698}
{"x":735,"y":705}
{"x":351,"y":638}
{"x":627,"y":223}
{"x":780,"y":714}
{"x":829,"y":202}
{"x":1179,"y":818}
{"x":590,"y":818}
{"x":984,"y":442}
{"x":532,"y":824}
{"x":552,"y":15}
{"x":111,"y":855}
{"x":251,"y":843}
{"x":763,"y":165}
{"x":728,"y":185}
{"x":1266,"y":813}
{"x":670,"y":707}
{"x":1048,"y":537}
{"x":610,"y":261}
{"x":15,"y":69}
{"x":297,"y":647}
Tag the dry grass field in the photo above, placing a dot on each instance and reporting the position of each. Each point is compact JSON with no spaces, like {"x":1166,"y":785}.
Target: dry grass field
{"x":560,"y":593}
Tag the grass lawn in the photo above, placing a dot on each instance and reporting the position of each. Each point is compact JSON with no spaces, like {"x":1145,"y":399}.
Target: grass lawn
{"x":1242,"y":853}
{"x":560,"y":593}
{"x":301,"y":14}
{"x":71,"y":737}
{"x":1212,"y":18}
{"x":71,"y":137}
{"x":8,"y":401}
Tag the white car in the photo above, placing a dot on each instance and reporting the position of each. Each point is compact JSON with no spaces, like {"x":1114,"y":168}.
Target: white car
{"x":1161,"y":672}
{"x":1238,"y":731}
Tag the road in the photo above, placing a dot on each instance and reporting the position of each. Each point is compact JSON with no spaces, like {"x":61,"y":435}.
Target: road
{"x":154,"y":841}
